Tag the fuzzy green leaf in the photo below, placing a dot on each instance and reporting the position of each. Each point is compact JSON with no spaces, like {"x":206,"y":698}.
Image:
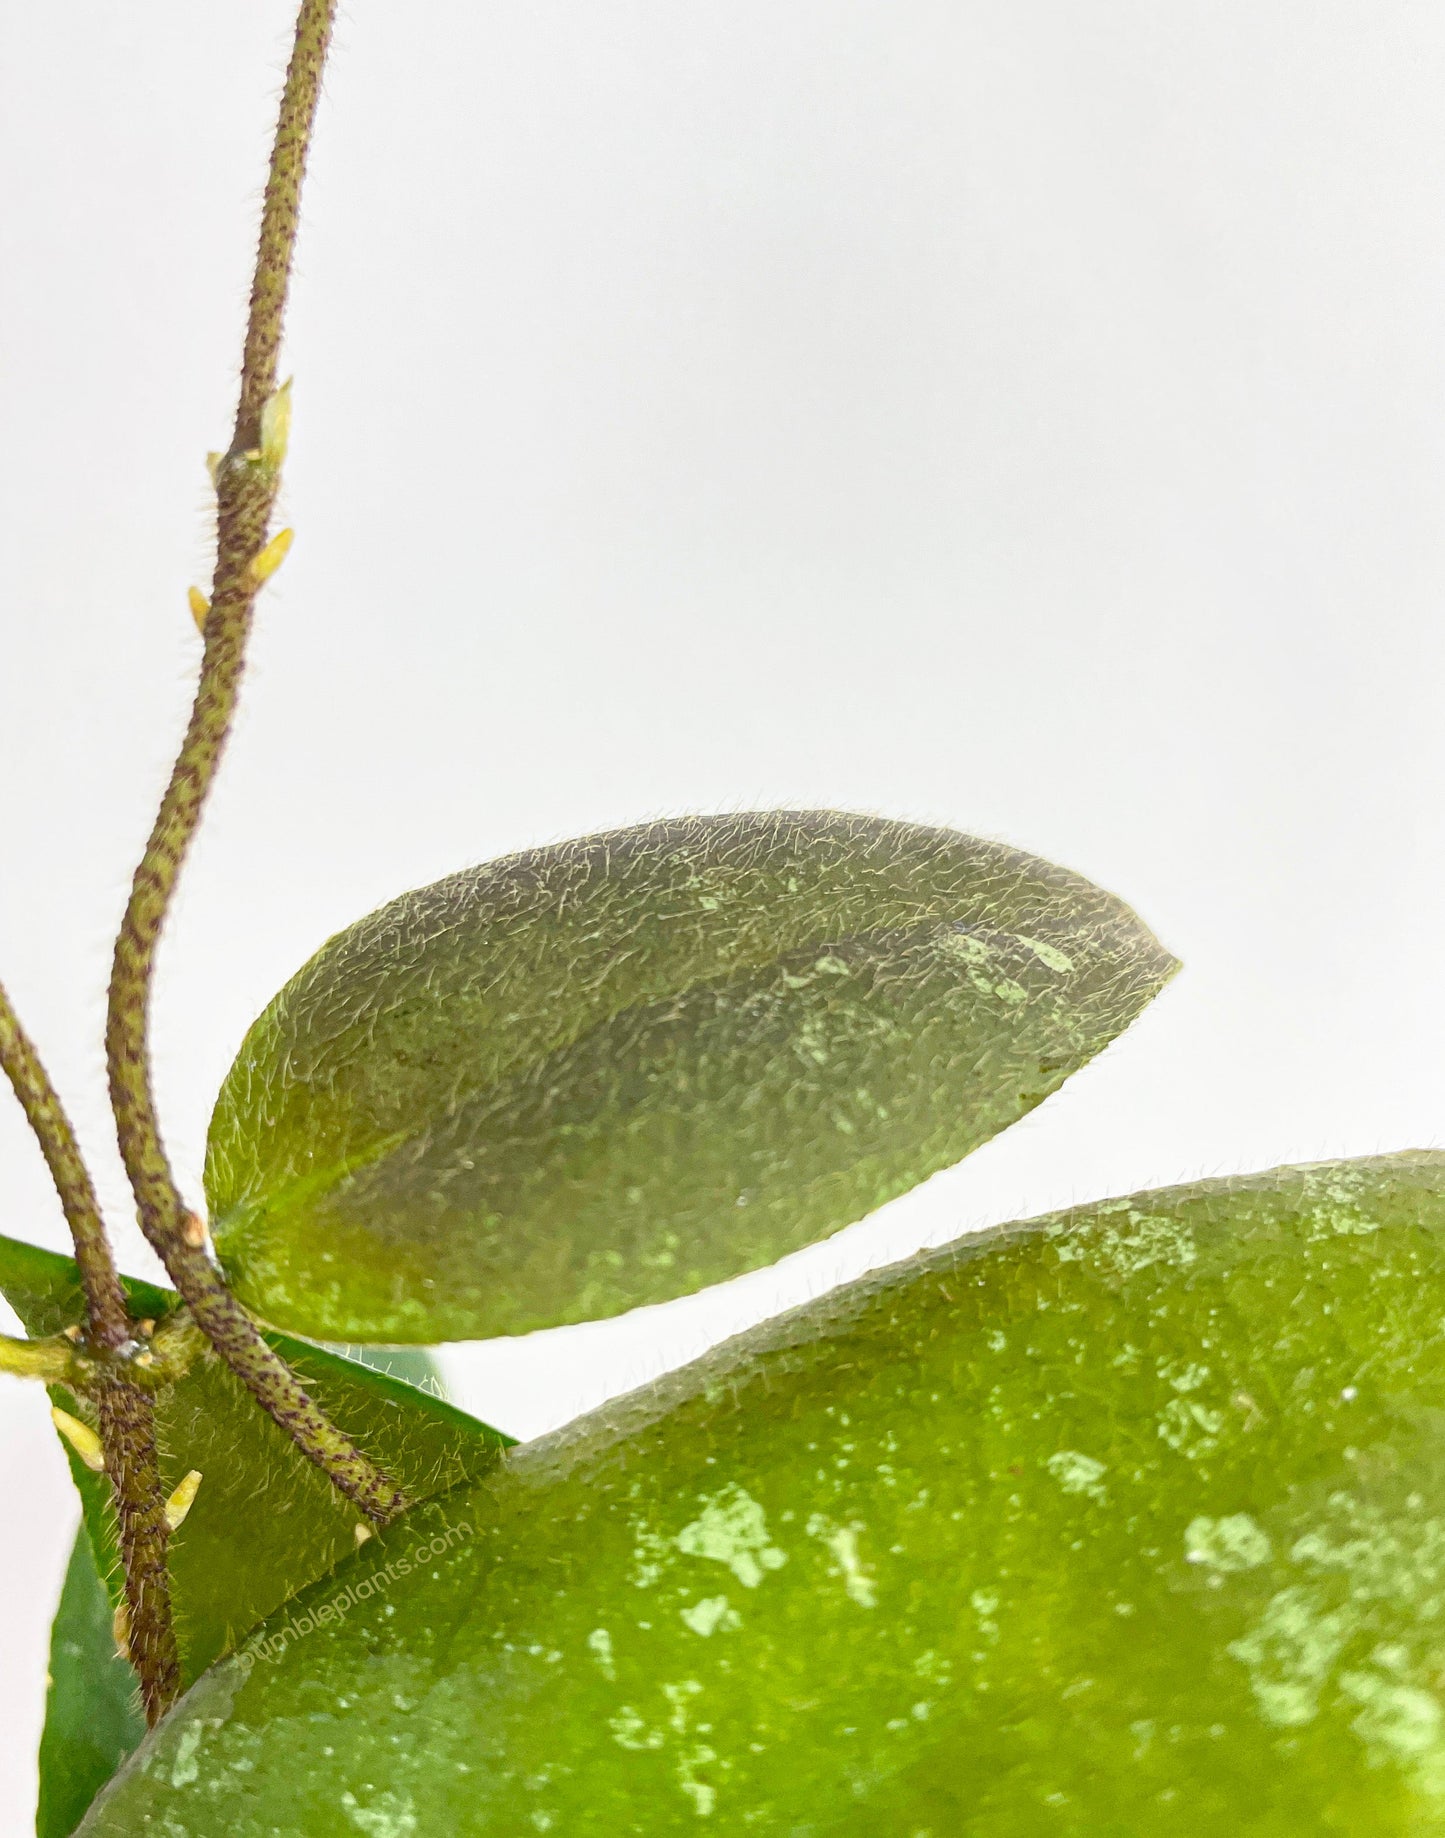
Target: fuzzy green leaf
{"x":93,"y":1717}
{"x":1129,"y":1520}
{"x":265,"y":1522}
{"x":611,"y":1072}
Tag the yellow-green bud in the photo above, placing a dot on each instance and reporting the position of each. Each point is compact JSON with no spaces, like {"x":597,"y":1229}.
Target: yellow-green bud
{"x":276,"y":427}
{"x":265,"y":564}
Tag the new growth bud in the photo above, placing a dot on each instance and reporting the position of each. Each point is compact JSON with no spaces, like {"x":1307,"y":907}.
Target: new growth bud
{"x":264,"y":565}
{"x":276,"y":427}
{"x":181,"y":1501}
{"x":200,"y":607}
{"x":81,"y":1437}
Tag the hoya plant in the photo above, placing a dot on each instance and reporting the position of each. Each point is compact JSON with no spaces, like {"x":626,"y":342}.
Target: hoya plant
{"x":1126,"y":1520}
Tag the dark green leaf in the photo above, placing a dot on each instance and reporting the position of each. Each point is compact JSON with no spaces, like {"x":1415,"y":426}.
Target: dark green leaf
{"x":1127,"y":1521}
{"x":265,"y":1522}
{"x":92,"y":1710}
{"x":607,"y":1073}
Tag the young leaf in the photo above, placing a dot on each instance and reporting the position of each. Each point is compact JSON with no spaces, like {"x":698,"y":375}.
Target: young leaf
{"x":264,"y":1522}
{"x":92,"y":1708}
{"x":610,"y":1072}
{"x":1127,"y":1520}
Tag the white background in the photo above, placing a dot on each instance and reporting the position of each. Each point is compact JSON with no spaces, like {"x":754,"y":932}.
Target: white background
{"x":1025,"y":418}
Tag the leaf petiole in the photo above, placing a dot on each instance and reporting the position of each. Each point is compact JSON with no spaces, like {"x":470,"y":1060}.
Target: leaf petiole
{"x":56,"y":1361}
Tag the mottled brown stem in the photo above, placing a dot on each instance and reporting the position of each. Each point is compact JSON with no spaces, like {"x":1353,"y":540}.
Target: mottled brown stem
{"x":109,"y":1321}
{"x":127,"y":1417}
{"x":128,"y":1436}
{"x":246,"y":478}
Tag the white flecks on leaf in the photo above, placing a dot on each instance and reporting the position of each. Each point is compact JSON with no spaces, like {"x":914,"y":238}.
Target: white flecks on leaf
{"x":842,"y":1541}
{"x":630,"y":1731}
{"x":1048,"y":955}
{"x":186,"y":1766}
{"x":1078,"y":1473}
{"x":1230,"y":1544}
{"x":710,"y":1614}
{"x":1290,"y":1653}
{"x":390,"y":1815}
{"x":732,"y":1529}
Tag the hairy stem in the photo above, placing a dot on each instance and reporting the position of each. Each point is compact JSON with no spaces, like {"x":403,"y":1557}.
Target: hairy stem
{"x":246,"y":478}
{"x":127,"y":1416}
{"x":128,"y":1436}
{"x":108,"y":1319}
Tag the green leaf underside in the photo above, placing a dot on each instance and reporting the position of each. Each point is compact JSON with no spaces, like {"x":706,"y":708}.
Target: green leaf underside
{"x":1128,"y":1520}
{"x":265,"y":1522}
{"x":93,"y":1718}
{"x":614,"y":1071}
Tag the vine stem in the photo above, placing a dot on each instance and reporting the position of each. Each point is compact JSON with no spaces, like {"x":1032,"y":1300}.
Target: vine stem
{"x":128,"y":1437}
{"x":246,"y":478}
{"x":108,"y":1317}
{"x":127,"y":1414}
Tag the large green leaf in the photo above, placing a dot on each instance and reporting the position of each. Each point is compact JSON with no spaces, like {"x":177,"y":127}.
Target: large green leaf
{"x":92,"y":1710}
{"x":603,"y":1074}
{"x":265,"y":1522}
{"x":1127,"y":1521}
